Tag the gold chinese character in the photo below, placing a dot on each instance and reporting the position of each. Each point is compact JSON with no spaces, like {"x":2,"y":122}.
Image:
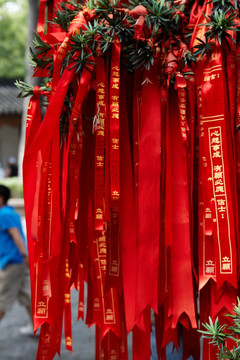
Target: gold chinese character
{"x":206,"y":78}
{"x":218,"y":175}
{"x":114,"y":269}
{"x":68,"y":341}
{"x":219,"y":189}
{"x":216,"y":154}
{"x":221,"y":202}
{"x":215,"y":140}
{"x":210,"y":270}
{"x":216,"y":147}
{"x":103,"y":251}
{"x":215,"y":133}
{"x":41,"y":311}
{"x":115,"y":147}
{"x":222,"y":209}
{"x":218,"y":168}
{"x":218,"y":182}
{"x":226,"y":266}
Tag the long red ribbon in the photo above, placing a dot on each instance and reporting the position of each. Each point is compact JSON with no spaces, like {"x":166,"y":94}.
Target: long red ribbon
{"x":114,"y":258}
{"x":149,"y":194}
{"x":180,"y":250}
{"x":214,"y":167}
{"x":99,"y":188}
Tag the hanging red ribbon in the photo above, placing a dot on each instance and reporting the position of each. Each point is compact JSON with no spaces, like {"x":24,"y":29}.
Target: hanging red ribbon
{"x":114,"y":269}
{"x":99,"y":125}
{"x":149,"y":194}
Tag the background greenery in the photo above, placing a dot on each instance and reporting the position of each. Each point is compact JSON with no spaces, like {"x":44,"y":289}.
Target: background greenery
{"x":13,"y":37}
{"x":15,"y":185}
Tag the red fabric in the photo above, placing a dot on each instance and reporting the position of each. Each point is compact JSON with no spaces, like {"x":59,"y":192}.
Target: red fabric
{"x":149,"y":195}
{"x":180,"y":250}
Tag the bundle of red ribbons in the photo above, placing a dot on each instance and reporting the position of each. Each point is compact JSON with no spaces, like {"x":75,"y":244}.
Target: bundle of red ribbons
{"x":132,"y":176}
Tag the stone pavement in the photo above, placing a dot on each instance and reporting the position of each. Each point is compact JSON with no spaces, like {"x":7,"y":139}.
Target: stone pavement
{"x":14,"y":346}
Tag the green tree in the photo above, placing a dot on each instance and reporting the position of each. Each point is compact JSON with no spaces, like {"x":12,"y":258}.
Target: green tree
{"x":13,"y":37}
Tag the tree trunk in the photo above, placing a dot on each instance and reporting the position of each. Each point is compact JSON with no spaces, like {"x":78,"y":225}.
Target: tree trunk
{"x":32,"y":23}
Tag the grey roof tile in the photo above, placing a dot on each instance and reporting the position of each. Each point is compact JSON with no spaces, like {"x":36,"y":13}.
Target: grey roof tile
{"x":9,"y":103}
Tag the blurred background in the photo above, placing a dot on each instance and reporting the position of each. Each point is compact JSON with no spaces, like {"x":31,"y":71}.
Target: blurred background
{"x":18,"y":20}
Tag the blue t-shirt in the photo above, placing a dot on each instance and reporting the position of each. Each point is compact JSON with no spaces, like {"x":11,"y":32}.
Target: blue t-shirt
{"x":9,"y":253}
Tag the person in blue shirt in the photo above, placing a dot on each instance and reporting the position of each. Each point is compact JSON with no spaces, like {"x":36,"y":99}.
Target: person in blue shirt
{"x":14,"y":273}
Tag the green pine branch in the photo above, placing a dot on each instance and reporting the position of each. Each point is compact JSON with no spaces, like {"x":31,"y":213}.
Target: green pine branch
{"x":202,"y":47}
{"x":223,"y":4}
{"x":219,"y":23}
{"x":27,"y":89}
{"x":218,"y":334}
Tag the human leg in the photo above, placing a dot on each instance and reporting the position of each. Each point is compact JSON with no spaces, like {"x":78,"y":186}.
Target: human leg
{"x":24,"y":299}
{"x":29,"y":311}
{"x":9,"y":287}
{"x":24,"y":294}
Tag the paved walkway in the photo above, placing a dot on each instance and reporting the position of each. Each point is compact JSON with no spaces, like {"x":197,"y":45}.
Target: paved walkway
{"x":14,"y":346}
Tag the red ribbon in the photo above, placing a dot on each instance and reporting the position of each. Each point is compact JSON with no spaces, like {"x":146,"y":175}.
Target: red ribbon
{"x":41,"y":16}
{"x":114,"y":270}
{"x":180,"y":249}
{"x":114,"y":122}
{"x":99,"y":124}
{"x":149,"y":194}
{"x":127,"y":212}
{"x":214,"y":167}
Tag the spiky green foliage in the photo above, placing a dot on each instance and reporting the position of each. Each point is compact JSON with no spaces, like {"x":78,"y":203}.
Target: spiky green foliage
{"x":202,"y":48}
{"x":159,"y":17}
{"x":219,"y":23}
{"x":140,"y":55}
{"x":223,"y":4}
{"x":27,"y":89}
{"x":162,"y":20}
{"x":39,"y":57}
{"x":218,"y":334}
